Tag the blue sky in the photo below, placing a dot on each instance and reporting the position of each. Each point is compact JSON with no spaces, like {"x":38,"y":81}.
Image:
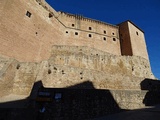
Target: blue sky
{"x":144,"y":13}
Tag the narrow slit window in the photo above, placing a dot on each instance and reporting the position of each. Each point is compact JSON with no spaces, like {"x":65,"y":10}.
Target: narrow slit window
{"x":104,"y":32}
{"x":137,"y":33}
{"x":104,"y":38}
{"x":28,"y":14}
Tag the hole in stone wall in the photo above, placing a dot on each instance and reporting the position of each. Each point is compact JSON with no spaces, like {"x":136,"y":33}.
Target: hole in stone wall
{"x":50,"y":15}
{"x":49,"y":71}
{"x":90,"y":28}
{"x":132,"y":68}
{"x":28,"y":14}
{"x":89,"y":35}
{"x":72,"y":25}
{"x":66,"y":31}
{"x":97,"y":54}
{"x":36,"y":33}
{"x":76,"y":33}
{"x":137,"y":33}
{"x":81,"y":73}
{"x":104,"y":38}
{"x":114,"y":39}
{"x":112,"y":33}
{"x":63,"y":72}
{"x":104,"y":32}
{"x":18,"y":66}
{"x":81,"y":78}
{"x":55,"y":68}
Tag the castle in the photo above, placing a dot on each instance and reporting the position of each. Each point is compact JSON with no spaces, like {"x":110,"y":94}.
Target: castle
{"x":62,"y":50}
{"x":62,"y":29}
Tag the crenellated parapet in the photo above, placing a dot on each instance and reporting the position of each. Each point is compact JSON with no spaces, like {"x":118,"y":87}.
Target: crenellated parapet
{"x":44,"y":4}
{"x":81,"y":17}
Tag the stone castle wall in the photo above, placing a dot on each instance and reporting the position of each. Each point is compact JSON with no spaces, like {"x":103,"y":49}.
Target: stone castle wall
{"x":132,"y":40}
{"x":72,"y":65}
{"x":63,"y":50}
{"x":23,"y":37}
{"x":35,"y":35}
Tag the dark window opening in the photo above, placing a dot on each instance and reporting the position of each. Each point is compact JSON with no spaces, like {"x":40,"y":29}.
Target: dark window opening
{"x":36,"y":33}
{"x":18,"y":66}
{"x":50,"y":15}
{"x":81,"y":73}
{"x":76,"y":33}
{"x":81,"y":78}
{"x":49,"y":71}
{"x":89,"y":35}
{"x":72,"y":25}
{"x":104,"y":32}
{"x":132,"y":68}
{"x":66,"y":31}
{"x":28,"y":14}
{"x":137,"y":33}
{"x":55,"y":68}
{"x":90,"y":28}
{"x":114,"y":39}
{"x":112,"y":33}
{"x":63,"y":72}
{"x":104,"y":38}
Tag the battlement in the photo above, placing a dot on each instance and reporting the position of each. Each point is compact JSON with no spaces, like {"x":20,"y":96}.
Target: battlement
{"x":48,"y":27}
{"x":81,"y":17}
{"x":46,"y":6}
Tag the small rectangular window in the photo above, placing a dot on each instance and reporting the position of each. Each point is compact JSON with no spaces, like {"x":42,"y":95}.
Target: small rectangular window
{"x":72,"y":25}
{"x":76,"y":33}
{"x":137,"y":33}
{"x":90,"y":28}
{"x":89,"y":35}
{"x":104,"y":32}
{"x":104,"y":38}
{"x":28,"y":14}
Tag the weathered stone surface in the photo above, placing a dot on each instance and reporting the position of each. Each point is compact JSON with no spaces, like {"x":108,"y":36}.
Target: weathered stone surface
{"x":63,"y":50}
{"x":66,"y":68}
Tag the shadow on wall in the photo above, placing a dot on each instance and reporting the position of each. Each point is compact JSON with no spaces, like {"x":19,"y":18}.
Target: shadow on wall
{"x":73,"y":102}
{"x":152,"y":97}
{"x":81,"y":101}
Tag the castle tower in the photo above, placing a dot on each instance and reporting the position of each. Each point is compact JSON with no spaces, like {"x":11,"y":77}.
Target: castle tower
{"x":132,"y":40}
